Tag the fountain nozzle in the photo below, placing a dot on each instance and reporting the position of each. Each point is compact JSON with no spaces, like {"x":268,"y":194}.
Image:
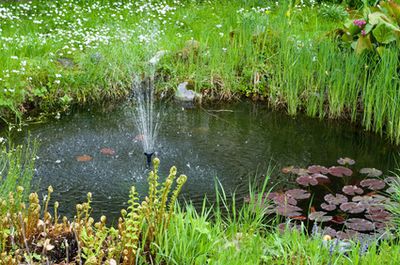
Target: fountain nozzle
{"x":148,"y":158}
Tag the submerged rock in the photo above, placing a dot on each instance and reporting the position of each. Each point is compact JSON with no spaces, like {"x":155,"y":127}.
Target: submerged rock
{"x":184,"y":94}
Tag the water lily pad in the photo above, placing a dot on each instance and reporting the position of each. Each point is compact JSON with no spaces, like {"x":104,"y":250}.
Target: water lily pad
{"x":373,"y":184}
{"x":300,"y":171}
{"x":281,"y":198}
{"x":390,"y":190}
{"x":336,"y":200}
{"x":328,"y":207}
{"x":298,"y":194}
{"x":107,"y":151}
{"x":371,"y":172}
{"x":288,"y":227}
{"x":392,"y":180}
{"x":307,"y":180}
{"x":322,"y":179}
{"x":287,"y":170}
{"x":317,"y":170}
{"x":352,"y":207}
{"x":359,"y":224}
{"x":378,"y":215}
{"x":352,"y":190}
{"x":338,"y":219}
{"x":329,"y":231}
{"x":83,"y":158}
{"x":366,"y":199}
{"x":319,"y":217}
{"x":346,"y":161}
{"x":288,"y":210}
{"x":340,"y":171}
{"x":346,"y":235}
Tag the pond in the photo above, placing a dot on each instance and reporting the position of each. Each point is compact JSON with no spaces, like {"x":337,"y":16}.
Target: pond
{"x":235,"y":143}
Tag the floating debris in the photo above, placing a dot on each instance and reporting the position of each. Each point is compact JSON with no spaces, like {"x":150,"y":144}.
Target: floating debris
{"x":83,"y":158}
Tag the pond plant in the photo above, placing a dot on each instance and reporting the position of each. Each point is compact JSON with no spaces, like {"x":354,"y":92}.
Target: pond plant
{"x":343,"y":203}
{"x":31,"y":234}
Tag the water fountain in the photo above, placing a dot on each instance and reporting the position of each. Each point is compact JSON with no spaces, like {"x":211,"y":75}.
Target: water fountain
{"x":146,"y":118}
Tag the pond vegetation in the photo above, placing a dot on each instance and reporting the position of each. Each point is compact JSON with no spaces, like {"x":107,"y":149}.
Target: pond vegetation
{"x":327,"y":59}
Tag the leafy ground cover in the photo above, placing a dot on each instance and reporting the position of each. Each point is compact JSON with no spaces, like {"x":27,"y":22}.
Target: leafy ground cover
{"x":59,"y":53}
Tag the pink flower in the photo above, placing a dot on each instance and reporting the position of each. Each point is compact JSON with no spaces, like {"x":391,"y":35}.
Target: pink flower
{"x":359,"y":23}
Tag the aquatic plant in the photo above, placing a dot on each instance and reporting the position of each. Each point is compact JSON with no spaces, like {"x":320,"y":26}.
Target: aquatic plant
{"x":358,"y":210}
{"x":31,"y":235}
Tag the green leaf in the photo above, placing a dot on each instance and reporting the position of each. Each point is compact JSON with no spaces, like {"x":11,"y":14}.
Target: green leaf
{"x":385,"y":33}
{"x":376,"y":17}
{"x":381,"y":50}
{"x":363,"y":44}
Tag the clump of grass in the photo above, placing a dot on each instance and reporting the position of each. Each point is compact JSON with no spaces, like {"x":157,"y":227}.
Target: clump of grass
{"x":17,"y":165}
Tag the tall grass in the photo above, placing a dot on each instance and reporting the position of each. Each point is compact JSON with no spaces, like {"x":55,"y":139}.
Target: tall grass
{"x":17,"y":165}
{"x":243,"y":235}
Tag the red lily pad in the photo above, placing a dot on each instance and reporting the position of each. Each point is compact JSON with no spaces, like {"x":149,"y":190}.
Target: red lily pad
{"x":319,"y":217}
{"x":340,"y":171}
{"x":300,"y":171}
{"x":359,"y":224}
{"x":300,"y":218}
{"x":317,"y":170}
{"x":336,"y":200}
{"x":352,"y":190}
{"x":322,"y":179}
{"x":329,"y":231}
{"x":378,"y":215}
{"x":281,"y":198}
{"x":371,"y":172}
{"x":346,"y":235}
{"x":107,"y":151}
{"x":346,"y":161}
{"x":366,"y":200}
{"x":373,"y":184}
{"x":328,"y":207}
{"x":298,"y":194}
{"x":306,"y":180}
{"x":83,"y":158}
{"x":352,"y":207}
{"x":338,"y":219}
{"x":288,"y":210}
{"x":288,"y":227}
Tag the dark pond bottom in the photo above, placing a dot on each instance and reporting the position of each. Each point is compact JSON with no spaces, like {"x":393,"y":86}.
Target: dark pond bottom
{"x":235,"y":143}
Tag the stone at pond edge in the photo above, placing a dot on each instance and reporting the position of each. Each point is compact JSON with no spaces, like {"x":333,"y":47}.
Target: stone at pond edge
{"x":184,"y":94}
{"x":66,"y":62}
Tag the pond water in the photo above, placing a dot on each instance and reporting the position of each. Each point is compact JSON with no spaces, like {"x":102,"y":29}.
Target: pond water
{"x":235,"y":143}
